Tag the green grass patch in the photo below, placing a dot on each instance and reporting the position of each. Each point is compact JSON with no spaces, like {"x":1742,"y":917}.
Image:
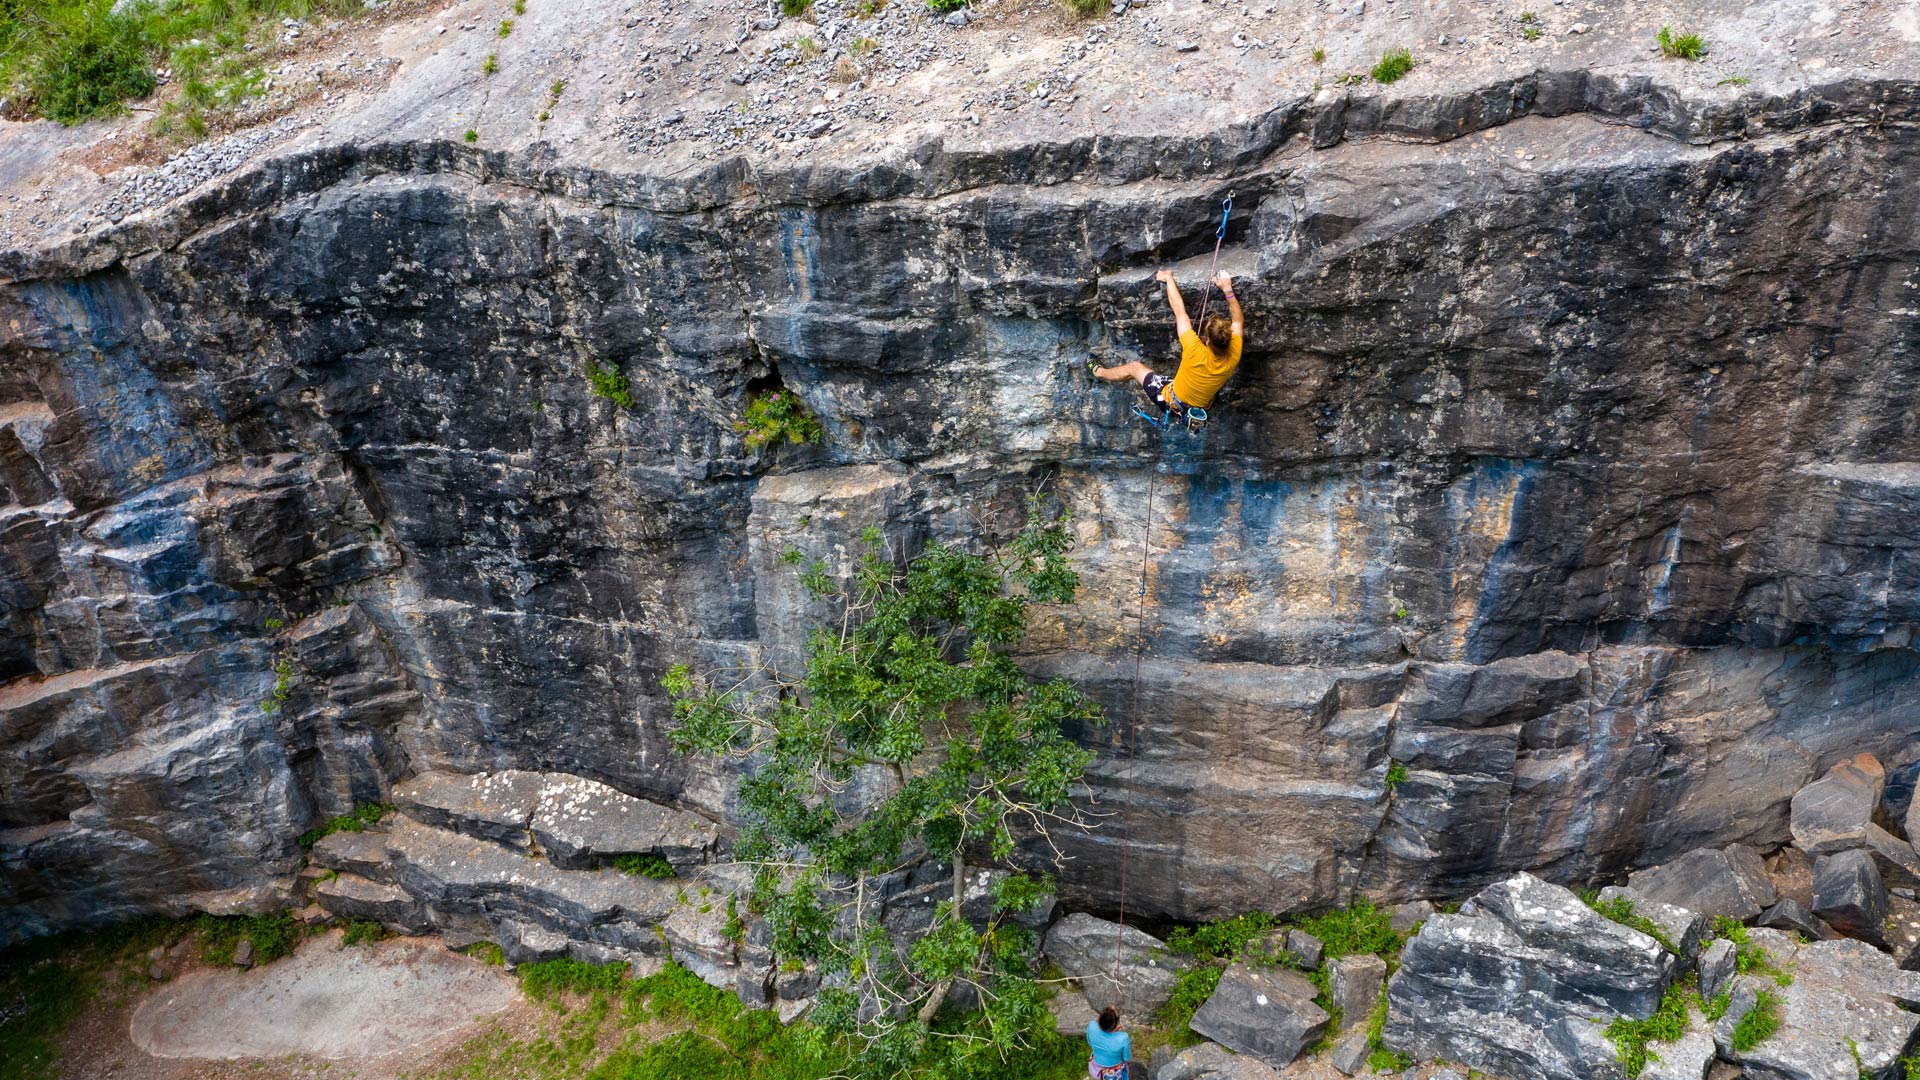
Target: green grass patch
{"x":1193,"y":988}
{"x":1759,"y":1024}
{"x":487,"y":953}
{"x":546,"y":980}
{"x":273,"y":936}
{"x":1621,"y":910}
{"x":648,"y":865}
{"x":610,"y":384}
{"x":776,"y":416}
{"x":1396,"y":774}
{"x":1680,"y":46}
{"x":1667,"y":1024}
{"x":355,"y":820}
{"x":47,"y":983}
{"x":362,"y":932}
{"x":1392,"y":65}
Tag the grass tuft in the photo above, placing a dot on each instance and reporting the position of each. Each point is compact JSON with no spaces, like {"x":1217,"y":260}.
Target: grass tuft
{"x":1759,"y":1024}
{"x":355,"y":820}
{"x":647,"y":865}
{"x":1393,"y":64}
{"x":1680,"y":46}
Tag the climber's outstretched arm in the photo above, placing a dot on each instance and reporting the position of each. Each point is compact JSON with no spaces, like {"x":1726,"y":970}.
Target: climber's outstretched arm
{"x":1233,"y":302}
{"x":1181,"y":323}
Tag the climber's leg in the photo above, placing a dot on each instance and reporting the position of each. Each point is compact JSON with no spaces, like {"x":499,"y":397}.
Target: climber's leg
{"x":1134,"y":370}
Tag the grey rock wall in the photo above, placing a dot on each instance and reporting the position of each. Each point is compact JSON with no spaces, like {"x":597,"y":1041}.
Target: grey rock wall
{"x":1572,"y":465}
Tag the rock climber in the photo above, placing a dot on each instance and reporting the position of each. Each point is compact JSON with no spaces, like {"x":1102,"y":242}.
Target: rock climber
{"x":1112,"y":1048}
{"x":1207,"y":357}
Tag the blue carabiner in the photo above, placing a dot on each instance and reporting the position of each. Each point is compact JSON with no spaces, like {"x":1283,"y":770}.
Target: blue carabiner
{"x":1226,"y":208}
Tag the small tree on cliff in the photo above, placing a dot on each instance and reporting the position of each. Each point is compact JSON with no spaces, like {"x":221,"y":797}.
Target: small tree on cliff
{"x":911,"y":738}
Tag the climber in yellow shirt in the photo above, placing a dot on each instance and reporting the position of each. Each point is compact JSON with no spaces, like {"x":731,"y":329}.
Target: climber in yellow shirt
{"x":1207,"y":357}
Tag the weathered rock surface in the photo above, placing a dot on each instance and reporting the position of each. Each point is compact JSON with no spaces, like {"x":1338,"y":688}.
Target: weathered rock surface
{"x":1686,"y":1058}
{"x":1209,"y":1061}
{"x":1578,"y":508}
{"x":1520,"y":983}
{"x":1116,"y":965}
{"x":1833,"y":813}
{"x":1268,"y":1013}
{"x":1685,"y":929}
{"x":1716,"y":967}
{"x":1730,"y":881}
{"x":1845,"y":998}
{"x":1849,"y":895}
{"x":1792,"y":916}
{"x":1354,"y":983}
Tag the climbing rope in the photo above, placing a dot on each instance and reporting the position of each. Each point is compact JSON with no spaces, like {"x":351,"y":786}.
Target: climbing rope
{"x":1133,"y":714}
{"x":1219,"y":237}
{"x":1140,"y":631}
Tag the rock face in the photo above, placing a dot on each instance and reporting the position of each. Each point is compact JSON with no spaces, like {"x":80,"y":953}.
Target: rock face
{"x":1521,"y":982}
{"x":1833,"y":813}
{"x":1268,"y":1013}
{"x":1547,"y":476}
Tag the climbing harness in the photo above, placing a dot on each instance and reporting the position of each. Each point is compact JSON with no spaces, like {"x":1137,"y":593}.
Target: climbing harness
{"x":1195,"y":417}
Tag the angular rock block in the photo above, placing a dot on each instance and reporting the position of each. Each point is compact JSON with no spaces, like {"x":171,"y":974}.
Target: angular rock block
{"x":1116,"y":965}
{"x":1716,"y":968}
{"x":1072,"y":1014}
{"x":1350,"y":1052}
{"x":1791,"y":916}
{"x":1268,"y":1013}
{"x":1354,"y":984}
{"x":353,"y":897}
{"x":1899,"y":864}
{"x":1832,"y":814}
{"x":1211,"y":1062}
{"x":1846,"y":998}
{"x":1521,"y":982}
{"x":1686,"y":1058}
{"x":1849,"y":895}
{"x":578,"y":823}
{"x":1730,"y":881}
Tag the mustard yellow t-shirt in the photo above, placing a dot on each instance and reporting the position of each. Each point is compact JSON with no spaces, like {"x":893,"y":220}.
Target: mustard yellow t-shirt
{"x":1201,"y":373}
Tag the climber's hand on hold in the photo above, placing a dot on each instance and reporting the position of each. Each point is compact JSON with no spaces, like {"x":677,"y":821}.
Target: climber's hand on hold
{"x":1165,"y":276}
{"x":1225,"y":282}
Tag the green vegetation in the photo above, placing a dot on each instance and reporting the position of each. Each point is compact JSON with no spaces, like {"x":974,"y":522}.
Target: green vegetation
{"x":1319,"y":56}
{"x":610,"y":384}
{"x":1734,"y":80}
{"x":1379,"y":1058}
{"x":914,"y":677}
{"x":1088,"y":9}
{"x":282,"y":688}
{"x":777,"y":415}
{"x":1530,"y":26}
{"x":867,"y":9}
{"x":1759,"y":1024}
{"x":862,"y":46}
{"x":471,"y":136}
{"x":362,"y":932}
{"x":1621,"y":910}
{"x":46,"y":983}
{"x":1680,"y":46}
{"x":1716,"y":1007}
{"x":793,"y":9}
{"x":648,"y":865}
{"x":1667,"y":1024}
{"x":487,"y":953}
{"x":945,"y":6}
{"x":491,"y":64}
{"x":273,"y":936}
{"x":75,"y":60}
{"x":1396,"y":775}
{"x":506,"y":27}
{"x":1393,"y":64}
{"x":1349,"y":931}
{"x":1910,"y":1066}
{"x":355,"y":820}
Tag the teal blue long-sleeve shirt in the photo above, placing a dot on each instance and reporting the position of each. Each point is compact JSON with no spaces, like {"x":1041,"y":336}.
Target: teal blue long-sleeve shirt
{"x":1110,"y":1048}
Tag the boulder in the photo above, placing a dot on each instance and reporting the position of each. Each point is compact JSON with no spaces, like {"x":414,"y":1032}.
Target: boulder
{"x":1210,"y":1062}
{"x":1730,"y":881}
{"x":1845,"y":998}
{"x":243,"y":953}
{"x":1832,"y":814}
{"x":1114,"y":964}
{"x":583,"y":823}
{"x":1791,"y":916}
{"x":1354,"y":984}
{"x":1716,"y":968}
{"x":1266,"y":1012}
{"x":1687,"y":931}
{"x":1522,"y":982}
{"x":1849,"y":895}
{"x":1305,"y":950}
{"x":1072,"y":1014}
{"x":1686,"y":1058}
{"x":1405,"y":918}
{"x":1899,"y":864}
{"x":1351,"y":1051}
{"x":1791,"y":871}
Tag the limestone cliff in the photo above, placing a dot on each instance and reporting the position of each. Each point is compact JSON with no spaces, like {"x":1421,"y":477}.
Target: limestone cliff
{"x":1572,"y":465}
